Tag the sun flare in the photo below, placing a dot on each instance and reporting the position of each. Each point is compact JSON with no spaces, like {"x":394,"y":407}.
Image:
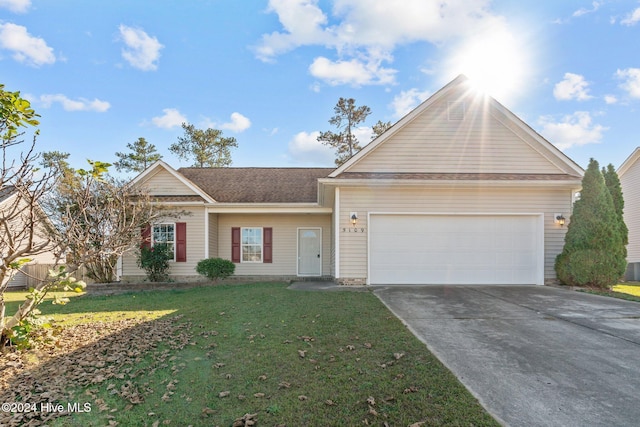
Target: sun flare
{"x":495,"y":63}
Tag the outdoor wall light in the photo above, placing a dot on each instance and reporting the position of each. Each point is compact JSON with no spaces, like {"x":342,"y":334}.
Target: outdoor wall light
{"x":560,"y":219}
{"x":354,"y":218}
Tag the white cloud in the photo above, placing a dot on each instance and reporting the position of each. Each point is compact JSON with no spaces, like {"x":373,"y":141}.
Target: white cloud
{"x":574,"y":130}
{"x":171,"y":118}
{"x":141,"y":50}
{"x":75,"y":105}
{"x":610,"y":99}
{"x":631,"y":83}
{"x":25,"y":47}
{"x":16,"y":6}
{"x":238,"y":123}
{"x":364,"y":33}
{"x":353,"y":72}
{"x":584,"y":11}
{"x":302,"y":21}
{"x":632,"y":18}
{"x":407,"y":100}
{"x":574,"y":86}
{"x":304,"y":148}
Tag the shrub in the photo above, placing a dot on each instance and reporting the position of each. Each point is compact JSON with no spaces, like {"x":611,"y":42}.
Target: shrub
{"x":594,"y":250}
{"x":155,"y":261}
{"x":215,"y":268}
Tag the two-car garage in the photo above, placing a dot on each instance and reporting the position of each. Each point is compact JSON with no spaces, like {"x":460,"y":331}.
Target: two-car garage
{"x":456,"y":249}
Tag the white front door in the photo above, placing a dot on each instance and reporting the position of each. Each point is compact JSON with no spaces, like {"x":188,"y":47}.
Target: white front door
{"x":309,"y":252}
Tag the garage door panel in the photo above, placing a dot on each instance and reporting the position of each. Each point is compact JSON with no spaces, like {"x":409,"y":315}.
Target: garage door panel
{"x":433,"y":249}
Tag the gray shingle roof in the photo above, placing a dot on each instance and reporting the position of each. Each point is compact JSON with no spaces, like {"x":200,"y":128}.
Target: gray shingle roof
{"x":258,"y":185}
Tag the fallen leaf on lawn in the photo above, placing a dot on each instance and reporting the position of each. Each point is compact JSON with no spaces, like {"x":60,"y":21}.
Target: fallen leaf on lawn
{"x":411,"y":389}
{"x":373,"y":411}
{"x":398,"y":356}
{"x":258,"y":395}
{"x":368,"y":345}
{"x":329,"y":402}
{"x":262,"y":377}
{"x":302,"y":398}
{"x":155,"y":424}
{"x":207,"y":411}
{"x":224,"y":394}
{"x":245,"y":421}
{"x":351,"y":347}
{"x":302,"y":353}
{"x":284,"y":384}
{"x":418,"y":424}
{"x":241,"y":397}
{"x":228,"y":376}
{"x":166,"y":422}
{"x":371,"y":401}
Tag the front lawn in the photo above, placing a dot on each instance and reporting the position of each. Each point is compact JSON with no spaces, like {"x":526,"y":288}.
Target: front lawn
{"x":231,"y":355}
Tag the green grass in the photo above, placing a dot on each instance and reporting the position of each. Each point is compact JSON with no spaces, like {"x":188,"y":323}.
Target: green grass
{"x":361,"y":366}
{"x":627,"y":291}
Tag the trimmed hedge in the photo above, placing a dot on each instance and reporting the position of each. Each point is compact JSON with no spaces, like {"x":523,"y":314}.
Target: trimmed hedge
{"x":215,"y":268}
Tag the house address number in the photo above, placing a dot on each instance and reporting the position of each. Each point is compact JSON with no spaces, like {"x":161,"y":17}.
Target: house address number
{"x":353,"y":230}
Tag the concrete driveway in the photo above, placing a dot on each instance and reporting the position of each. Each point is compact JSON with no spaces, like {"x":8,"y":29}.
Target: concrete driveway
{"x":532,"y":355}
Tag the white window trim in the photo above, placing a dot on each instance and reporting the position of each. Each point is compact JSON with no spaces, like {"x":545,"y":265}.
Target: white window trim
{"x":242,"y":261}
{"x":174,"y":237}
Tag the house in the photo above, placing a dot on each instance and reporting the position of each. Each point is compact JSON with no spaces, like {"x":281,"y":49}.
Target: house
{"x":629,"y":174}
{"x":15,"y":213}
{"x":459,"y":191}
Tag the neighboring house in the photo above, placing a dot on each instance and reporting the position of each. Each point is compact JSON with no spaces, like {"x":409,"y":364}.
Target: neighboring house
{"x":459,"y":191}
{"x":14,"y":206}
{"x":629,"y":174}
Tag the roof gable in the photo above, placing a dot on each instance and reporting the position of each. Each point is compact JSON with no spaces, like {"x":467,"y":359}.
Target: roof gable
{"x":630,"y":162}
{"x":164,"y":181}
{"x":459,"y":131}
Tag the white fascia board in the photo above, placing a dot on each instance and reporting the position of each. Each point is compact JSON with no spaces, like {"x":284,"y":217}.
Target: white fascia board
{"x":297,"y":208}
{"x":577,"y":183}
{"x":624,"y":167}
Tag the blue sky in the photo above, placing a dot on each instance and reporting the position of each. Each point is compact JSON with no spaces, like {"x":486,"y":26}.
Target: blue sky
{"x":269,"y":72}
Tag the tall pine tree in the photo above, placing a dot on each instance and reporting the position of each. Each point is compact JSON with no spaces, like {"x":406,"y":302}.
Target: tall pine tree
{"x":593,"y":253}
{"x":612,"y":181}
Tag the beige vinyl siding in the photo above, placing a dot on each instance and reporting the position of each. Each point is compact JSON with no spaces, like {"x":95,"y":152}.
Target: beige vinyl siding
{"x":19,"y":280}
{"x":285,"y":241}
{"x":195,"y":247}
{"x":630,"y":181}
{"x":432,"y":143}
{"x":353,"y":240}
{"x":163,"y":183}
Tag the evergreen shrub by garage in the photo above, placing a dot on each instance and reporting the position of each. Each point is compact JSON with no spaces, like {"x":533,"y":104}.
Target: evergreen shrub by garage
{"x":594,"y":249}
{"x":215,"y":268}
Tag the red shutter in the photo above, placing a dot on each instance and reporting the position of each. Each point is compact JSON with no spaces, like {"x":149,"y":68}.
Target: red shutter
{"x":146,"y":237}
{"x":235,"y":244}
{"x":267,"y":244}
{"x":181,"y":242}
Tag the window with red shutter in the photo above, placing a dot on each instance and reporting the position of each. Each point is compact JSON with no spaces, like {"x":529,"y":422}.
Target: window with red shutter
{"x":267,"y":242}
{"x":235,"y":244}
{"x":181,"y":242}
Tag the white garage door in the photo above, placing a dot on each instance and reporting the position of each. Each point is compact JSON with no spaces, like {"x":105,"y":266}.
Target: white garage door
{"x":455,"y":249}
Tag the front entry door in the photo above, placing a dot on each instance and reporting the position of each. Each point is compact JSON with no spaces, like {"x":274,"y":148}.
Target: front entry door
{"x":309,"y":252}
